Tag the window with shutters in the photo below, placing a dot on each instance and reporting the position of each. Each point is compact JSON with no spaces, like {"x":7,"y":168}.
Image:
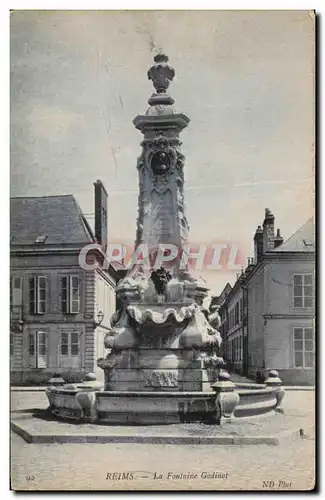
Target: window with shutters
{"x":37,"y":349}
{"x":70,"y":294}
{"x":303,"y":290}
{"x":37,"y":294}
{"x":303,"y":347}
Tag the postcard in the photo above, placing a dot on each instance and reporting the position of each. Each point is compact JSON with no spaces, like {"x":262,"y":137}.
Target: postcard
{"x":162,"y":250}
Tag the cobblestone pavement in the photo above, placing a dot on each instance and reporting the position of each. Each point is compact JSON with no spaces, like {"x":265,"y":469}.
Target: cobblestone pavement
{"x":90,"y":466}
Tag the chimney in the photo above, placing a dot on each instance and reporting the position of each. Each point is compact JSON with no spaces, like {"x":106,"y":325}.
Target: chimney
{"x":258,"y":244}
{"x":268,"y":231}
{"x":101,"y":213}
{"x":278,"y":240}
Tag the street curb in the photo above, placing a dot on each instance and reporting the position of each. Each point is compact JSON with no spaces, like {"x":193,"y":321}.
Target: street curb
{"x":42,"y":438}
{"x":299,"y":387}
{"x":28,"y":389}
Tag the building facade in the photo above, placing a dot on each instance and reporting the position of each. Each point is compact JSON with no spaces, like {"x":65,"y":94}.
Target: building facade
{"x":59,"y":310}
{"x":277,"y":290}
{"x":234,"y":327}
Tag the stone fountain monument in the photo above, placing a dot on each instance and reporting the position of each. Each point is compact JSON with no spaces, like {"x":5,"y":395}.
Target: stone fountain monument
{"x":163,"y":363}
{"x":162,"y":337}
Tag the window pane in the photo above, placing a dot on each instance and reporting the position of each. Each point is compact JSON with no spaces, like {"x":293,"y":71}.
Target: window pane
{"x":74,"y":338}
{"x":41,"y":282}
{"x":17,"y":282}
{"x":31,"y":344}
{"x":41,"y":307}
{"x":297,"y":290}
{"x":74,"y":349}
{"x":308,"y":279}
{"x":41,"y":337}
{"x":298,"y":345}
{"x":64,"y":349}
{"x":74,"y":306}
{"x":64,"y":338}
{"x":309,"y":333}
{"x":41,"y":349}
{"x":298,"y":359}
{"x":64,"y":283}
{"x":297,"y":279}
{"x":298,"y":302}
{"x":298,"y":333}
{"x":309,"y":359}
{"x":42,"y":294}
{"x":308,"y":291}
{"x":309,"y":345}
{"x":308,"y":302}
{"x":75,"y":282}
{"x":31,"y":284}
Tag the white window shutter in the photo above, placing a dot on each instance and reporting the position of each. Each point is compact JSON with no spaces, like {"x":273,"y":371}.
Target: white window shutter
{"x":41,"y":294}
{"x":17,"y":296}
{"x":74,"y":294}
{"x":41,"y":349}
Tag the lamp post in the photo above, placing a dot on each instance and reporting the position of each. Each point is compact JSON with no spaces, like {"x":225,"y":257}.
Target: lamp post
{"x":99,"y":318}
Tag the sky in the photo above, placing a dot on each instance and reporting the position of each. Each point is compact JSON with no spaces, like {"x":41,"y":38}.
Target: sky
{"x":245,"y":79}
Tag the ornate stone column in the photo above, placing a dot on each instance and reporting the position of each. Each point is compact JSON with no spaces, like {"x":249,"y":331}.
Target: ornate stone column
{"x":161,"y":213}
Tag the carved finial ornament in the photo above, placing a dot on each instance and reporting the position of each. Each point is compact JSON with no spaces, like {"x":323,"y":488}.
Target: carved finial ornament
{"x":161,"y":73}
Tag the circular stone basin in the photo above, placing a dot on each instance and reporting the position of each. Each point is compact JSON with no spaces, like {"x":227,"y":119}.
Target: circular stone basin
{"x":145,"y":408}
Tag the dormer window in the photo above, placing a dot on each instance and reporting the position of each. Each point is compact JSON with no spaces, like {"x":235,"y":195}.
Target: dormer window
{"x":41,"y":239}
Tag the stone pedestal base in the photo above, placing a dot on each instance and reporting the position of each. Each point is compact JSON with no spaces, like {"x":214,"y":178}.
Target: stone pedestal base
{"x":158,"y":370}
{"x":167,"y":380}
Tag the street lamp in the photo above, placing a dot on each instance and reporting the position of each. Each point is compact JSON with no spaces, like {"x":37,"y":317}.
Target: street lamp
{"x":99,"y":318}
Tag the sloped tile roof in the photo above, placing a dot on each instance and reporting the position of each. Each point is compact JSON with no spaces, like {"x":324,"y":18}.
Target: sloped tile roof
{"x":59,"y":218}
{"x":302,"y":240}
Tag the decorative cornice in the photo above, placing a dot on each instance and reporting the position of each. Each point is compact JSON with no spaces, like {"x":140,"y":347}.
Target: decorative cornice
{"x":304,"y":315}
{"x":179,"y":121}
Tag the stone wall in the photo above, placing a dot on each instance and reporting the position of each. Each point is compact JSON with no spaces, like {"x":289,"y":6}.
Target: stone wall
{"x":272,"y":318}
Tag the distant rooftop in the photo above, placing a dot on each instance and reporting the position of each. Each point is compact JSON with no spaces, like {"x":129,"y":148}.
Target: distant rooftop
{"x":302,"y":240}
{"x":48,"y":220}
